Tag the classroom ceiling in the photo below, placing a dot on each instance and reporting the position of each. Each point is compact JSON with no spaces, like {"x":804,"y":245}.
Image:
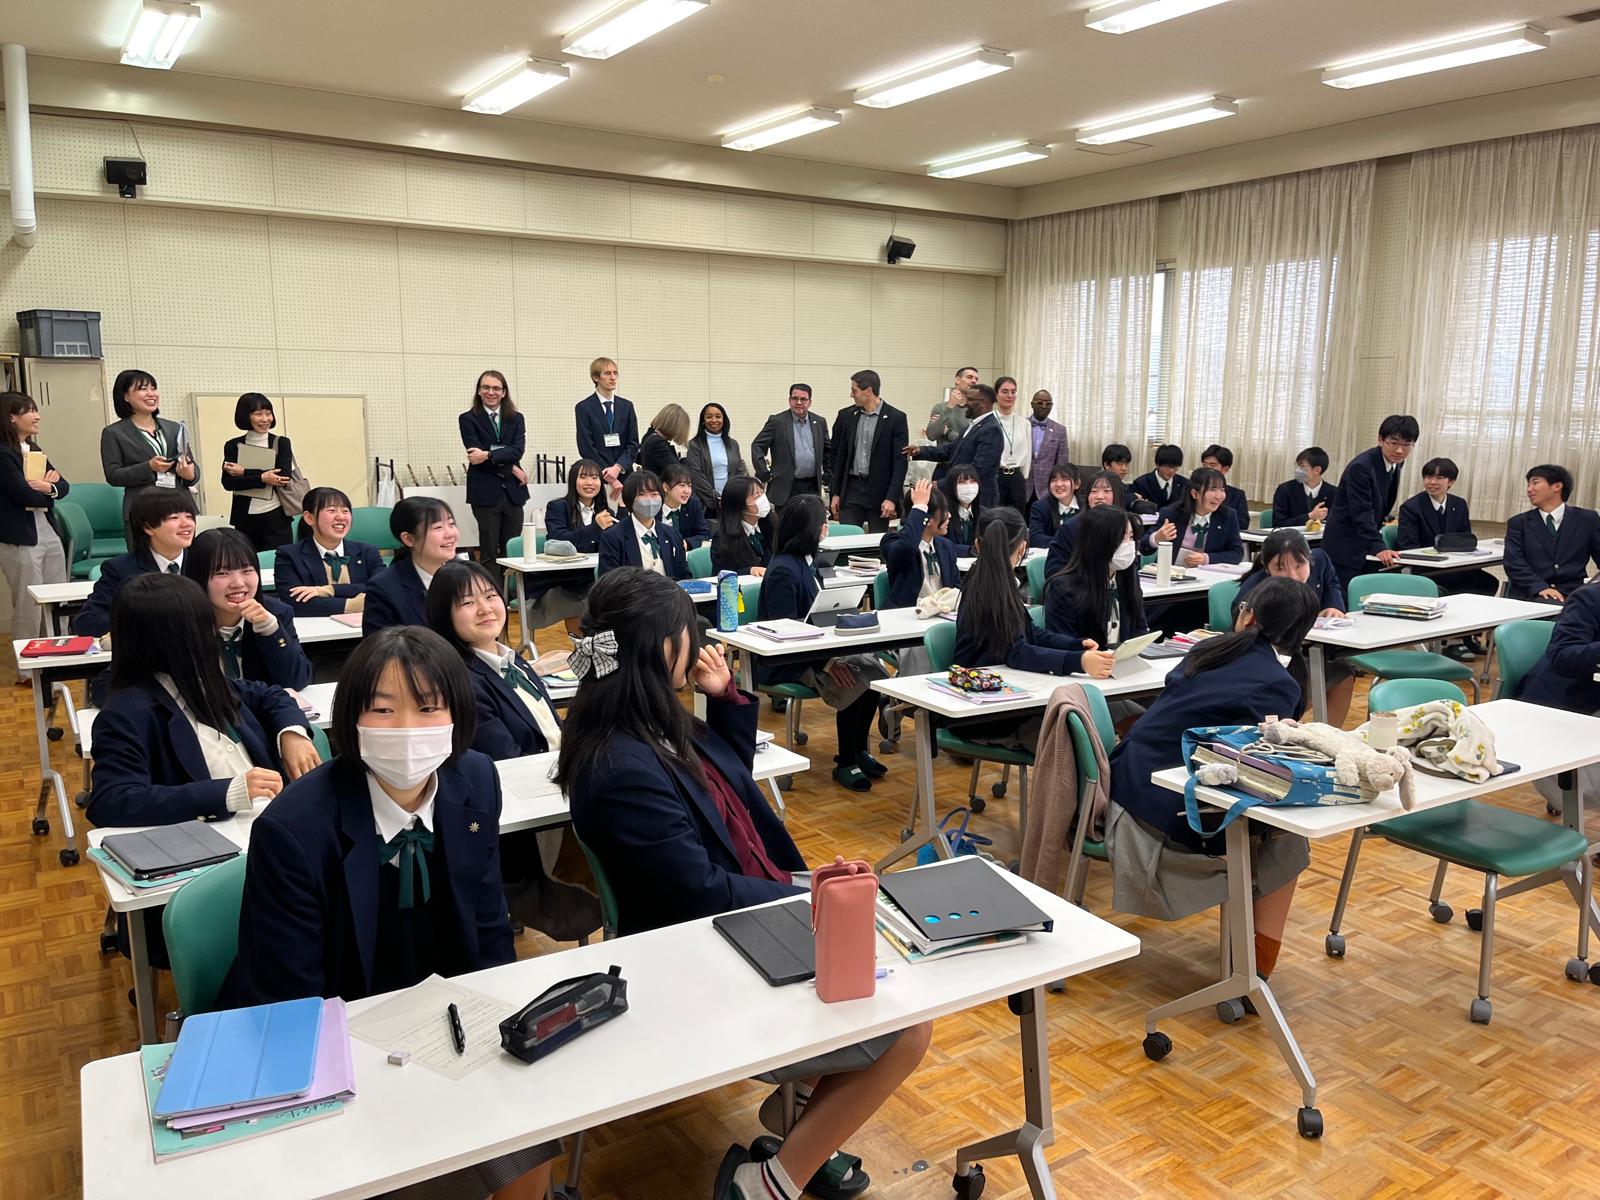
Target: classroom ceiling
{"x":740,"y":61}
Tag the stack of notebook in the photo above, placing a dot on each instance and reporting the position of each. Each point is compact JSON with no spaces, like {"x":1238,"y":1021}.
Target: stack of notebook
{"x":959,"y":906}
{"x":1268,"y":779}
{"x":786,"y":629}
{"x":248,"y":1071}
{"x":167,"y":850}
{"x":1409,"y":608}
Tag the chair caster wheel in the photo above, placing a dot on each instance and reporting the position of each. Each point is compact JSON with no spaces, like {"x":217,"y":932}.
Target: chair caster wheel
{"x":81,"y":799}
{"x":997,"y":790}
{"x":1441,"y":912}
{"x":133,"y":999}
{"x":1309,"y":1122}
{"x":108,"y":943}
{"x":1594,"y":974}
{"x":885,"y":746}
{"x":977,"y":803}
{"x":779,"y":704}
{"x":1015,"y":866}
{"x":1058,"y":987}
{"x":55,"y":735}
{"x":69,"y":858}
{"x":905,"y":835}
{"x":40,"y":827}
{"x":801,"y":737}
{"x":785,"y":782}
{"x":1475,"y":920}
{"x":1334,"y":945}
{"x":1229,"y":1011}
{"x":1577,"y":970}
{"x":1481,"y":1011}
{"x":969,"y":1186}
{"x":1157,"y":1046}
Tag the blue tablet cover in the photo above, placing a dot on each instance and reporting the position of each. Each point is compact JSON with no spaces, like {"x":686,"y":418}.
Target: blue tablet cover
{"x":242,"y":1056}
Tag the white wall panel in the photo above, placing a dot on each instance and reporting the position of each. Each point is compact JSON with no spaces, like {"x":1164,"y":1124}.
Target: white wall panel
{"x":206,"y":166}
{"x":752,"y":310}
{"x":773,"y":226}
{"x":183,"y":371}
{"x":80,"y":261}
{"x":985,"y":245}
{"x":380,"y":377}
{"x":941,"y":241}
{"x":454,"y":294}
{"x":907,"y":319}
{"x":653,"y":382}
{"x":662,"y":305}
{"x":313,"y":177}
{"x":969,"y":318}
{"x":566,"y":297}
{"x":457,"y":193}
{"x":438,"y":391}
{"x":841,"y":232}
{"x":751,"y":392}
{"x":597,"y":208}
{"x":683,"y":216}
{"x":832,"y":313}
{"x":199,"y":278}
{"x":335,"y":287}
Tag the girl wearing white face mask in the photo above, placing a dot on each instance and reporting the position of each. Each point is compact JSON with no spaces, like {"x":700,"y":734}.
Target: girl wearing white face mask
{"x":1097,"y":596}
{"x":383,"y":867}
{"x":743,"y":541}
{"x":961,"y":488}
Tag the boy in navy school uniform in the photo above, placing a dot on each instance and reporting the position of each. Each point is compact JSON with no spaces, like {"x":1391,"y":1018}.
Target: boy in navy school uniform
{"x":1164,"y":485}
{"x":1220,"y":459}
{"x":1307,"y":496}
{"x":1549,"y":549}
{"x":1366,"y":495}
{"x":1434,"y":511}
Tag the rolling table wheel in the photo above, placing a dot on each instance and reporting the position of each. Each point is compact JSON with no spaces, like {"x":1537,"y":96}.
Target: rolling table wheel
{"x":1157,"y":1046}
{"x":1309,"y":1122}
{"x":1594,"y":974}
{"x":108,"y":943}
{"x":69,"y":858}
{"x":1475,"y":920}
{"x":1334,"y":945}
{"x":969,"y":1186}
{"x":40,"y":827}
{"x":55,"y":735}
{"x":1480,"y":1011}
{"x":1577,"y":970}
{"x":1441,"y":912}
{"x":885,"y":746}
{"x":801,"y":737}
{"x":1229,"y":1011}
{"x":997,"y":790}
{"x":786,"y":782}
{"x":905,"y":835}
{"x":81,"y":799}
{"x":133,"y":998}
{"x":977,"y":803}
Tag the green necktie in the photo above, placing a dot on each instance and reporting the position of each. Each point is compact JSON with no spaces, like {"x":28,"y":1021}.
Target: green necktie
{"x":1550,"y":524}
{"x":654,"y":544}
{"x":336,"y":564}
{"x":931,"y":557}
{"x":494,"y":419}
{"x":758,"y":547}
{"x":672,"y":517}
{"x":412,"y":847}
{"x":513,"y":675}
{"x":1199,"y":532}
{"x":231,"y":645}
{"x":175,"y":569}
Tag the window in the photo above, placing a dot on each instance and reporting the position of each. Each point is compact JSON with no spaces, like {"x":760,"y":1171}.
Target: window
{"x":1159,"y":391}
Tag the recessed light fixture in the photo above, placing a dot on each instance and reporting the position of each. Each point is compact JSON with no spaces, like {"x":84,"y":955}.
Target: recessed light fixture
{"x":515,"y":87}
{"x":947,"y":73}
{"x":160,"y":32}
{"x":627,"y":24}
{"x":993,"y":158}
{"x":1124,"y":16}
{"x":1438,"y":56}
{"x":1158,"y":120}
{"x":781,"y":129}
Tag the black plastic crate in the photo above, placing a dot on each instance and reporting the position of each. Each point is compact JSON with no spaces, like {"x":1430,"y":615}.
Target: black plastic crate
{"x":59,"y":333}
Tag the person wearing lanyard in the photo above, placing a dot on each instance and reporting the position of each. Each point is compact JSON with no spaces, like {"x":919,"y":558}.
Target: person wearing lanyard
{"x":256,"y":632}
{"x":494,"y":434}
{"x":608,"y":428}
{"x":143,"y":449}
{"x":30,"y":547}
{"x":259,"y":518}
{"x":1016,"y":460}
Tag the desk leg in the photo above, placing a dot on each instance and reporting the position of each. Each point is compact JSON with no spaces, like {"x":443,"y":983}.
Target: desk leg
{"x":1318,"y":683}
{"x":931,"y":833}
{"x":1572,"y":817}
{"x":1242,"y":981}
{"x":747,"y":671}
{"x":522,"y":614}
{"x":49,"y":781}
{"x":777,"y":797}
{"x":1038,"y":1129}
{"x":144,"y":980}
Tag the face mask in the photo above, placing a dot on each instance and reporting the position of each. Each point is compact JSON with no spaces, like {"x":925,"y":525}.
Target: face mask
{"x":763,"y":506}
{"x":1301,"y":474}
{"x":646,"y":507}
{"x":966,"y":492}
{"x":1124,"y":556}
{"x":403,"y":758}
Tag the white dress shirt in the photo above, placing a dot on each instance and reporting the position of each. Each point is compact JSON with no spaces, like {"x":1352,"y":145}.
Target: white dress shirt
{"x":391,"y":820}
{"x":647,"y":556}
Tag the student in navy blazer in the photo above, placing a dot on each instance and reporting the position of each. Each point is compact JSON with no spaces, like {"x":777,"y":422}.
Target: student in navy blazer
{"x":1366,"y":495}
{"x":1308,"y":494}
{"x":681,"y":508}
{"x":1286,"y":553}
{"x":620,"y":546}
{"x":1048,"y":513}
{"x":426,"y":531}
{"x":582,"y":515}
{"x":1100,"y":582}
{"x":162,"y":525}
{"x":1203,"y":509}
{"x":1544,"y":563}
{"x":608,"y":428}
{"x":1433,"y":512}
{"x":1166,"y":484}
{"x":324,"y":572}
{"x":980,"y":446}
{"x":494,"y":434}
{"x":906,"y":552}
{"x":1564,"y":676}
{"x":744,"y":537}
{"x":256,"y":632}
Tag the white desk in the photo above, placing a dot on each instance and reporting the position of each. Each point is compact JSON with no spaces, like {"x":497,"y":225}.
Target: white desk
{"x":1257,"y":536}
{"x":687,"y":1031}
{"x":1543,"y":741}
{"x":1463,"y":614}
{"x":966,"y":564}
{"x":53,"y":596}
{"x":851,"y":543}
{"x":927,"y":702}
{"x":896,"y":626}
{"x":1491,"y":552}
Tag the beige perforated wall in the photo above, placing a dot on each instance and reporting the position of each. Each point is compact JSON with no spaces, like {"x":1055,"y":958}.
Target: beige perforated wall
{"x":266,"y":264}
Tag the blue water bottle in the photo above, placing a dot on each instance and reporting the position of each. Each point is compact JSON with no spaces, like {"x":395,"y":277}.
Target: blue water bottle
{"x":728,"y":598}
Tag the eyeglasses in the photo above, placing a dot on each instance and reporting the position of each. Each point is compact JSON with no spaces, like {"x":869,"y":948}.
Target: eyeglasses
{"x":1398,"y":444}
{"x":490,"y":387}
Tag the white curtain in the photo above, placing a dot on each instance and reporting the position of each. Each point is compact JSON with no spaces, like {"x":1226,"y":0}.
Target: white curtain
{"x":1078,"y":291}
{"x":1267,"y":316}
{"x":1500,"y":355}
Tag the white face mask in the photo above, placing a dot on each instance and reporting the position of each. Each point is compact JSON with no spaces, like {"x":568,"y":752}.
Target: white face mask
{"x":1301,"y":474}
{"x":403,"y":758}
{"x":1124,"y":556}
{"x":763,"y":506}
{"x":966,"y":492}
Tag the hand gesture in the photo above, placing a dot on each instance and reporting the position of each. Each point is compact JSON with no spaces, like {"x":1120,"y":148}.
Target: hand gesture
{"x":920,"y":491}
{"x":160,"y":465}
{"x":1097,"y":663}
{"x":611,"y":474}
{"x":833,"y":507}
{"x":841,"y":672}
{"x":256,"y":613}
{"x":1330,"y":612}
{"x":711,"y":674}
{"x":888,"y":509}
{"x":1194,"y":558}
{"x":910,"y":451}
{"x":1166,"y":533}
{"x":1388,"y":557}
{"x":185,"y":469}
{"x":43,"y":486}
{"x":604,"y":519}
{"x":1319,"y":513}
{"x":274,"y":478}
{"x":303,"y":593}
{"x":1552,"y":594}
{"x":260,"y":783}
{"x":232,"y":468}
{"x":299,"y":756}
{"x":520,"y":475}
{"x":477,"y":457}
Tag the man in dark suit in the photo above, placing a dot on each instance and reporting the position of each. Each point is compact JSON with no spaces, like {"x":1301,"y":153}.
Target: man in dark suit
{"x":1164,"y":485}
{"x":1549,"y":549}
{"x":797,"y":440}
{"x":1367,"y":493}
{"x":979,"y":447}
{"x":869,"y":457}
{"x":608,"y":428}
{"x":1307,"y":496}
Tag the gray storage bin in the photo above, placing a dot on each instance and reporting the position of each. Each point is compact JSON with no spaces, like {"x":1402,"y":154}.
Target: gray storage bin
{"x":59,"y":333}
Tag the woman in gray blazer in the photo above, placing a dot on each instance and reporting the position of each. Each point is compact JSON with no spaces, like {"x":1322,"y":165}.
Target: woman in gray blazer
{"x":141,"y":451}
{"x":713,"y":457}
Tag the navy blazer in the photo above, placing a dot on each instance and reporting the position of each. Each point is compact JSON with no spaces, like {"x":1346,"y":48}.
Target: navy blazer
{"x":276,"y":658}
{"x":886,"y":467}
{"x":592,"y":429}
{"x":491,"y":481}
{"x":902,"y":557}
{"x":1064,"y":614}
{"x":1290,"y":505}
{"x":251,"y":479}
{"x":1222,"y":544}
{"x":1324,"y":581}
{"x":1420,"y":522}
{"x":1148,"y":487}
{"x":659,"y":835}
{"x":1235,"y":500}
{"x":620,"y":548}
{"x":1062,"y":545}
{"x":742,"y":557}
{"x":1246,"y":691}
{"x":1535,"y":560}
{"x":1564,"y":676}
{"x":94,"y":618}
{"x":505,"y":729}
{"x":981,"y":447}
{"x":17,"y":526}
{"x":1366,"y":495}
{"x":561,"y":526}
{"x":308,"y":923}
{"x":787,"y":591}
{"x":689,"y":519}
{"x":1034,"y":649}
{"x":148,"y":766}
{"x":299,"y":564}
{"x":396,"y":597}
{"x":1045,"y":520}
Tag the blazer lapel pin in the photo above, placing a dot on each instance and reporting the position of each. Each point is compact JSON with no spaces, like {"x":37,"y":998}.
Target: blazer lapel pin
{"x":473,"y":827}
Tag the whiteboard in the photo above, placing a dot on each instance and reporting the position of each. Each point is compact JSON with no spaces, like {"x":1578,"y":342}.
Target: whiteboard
{"x":329,"y":435}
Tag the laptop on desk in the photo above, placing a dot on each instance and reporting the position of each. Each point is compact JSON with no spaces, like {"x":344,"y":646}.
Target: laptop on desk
{"x":833,"y":602}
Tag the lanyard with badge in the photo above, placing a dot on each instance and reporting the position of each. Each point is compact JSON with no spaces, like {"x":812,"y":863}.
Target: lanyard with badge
{"x":158,"y":443}
{"x":613,"y":440}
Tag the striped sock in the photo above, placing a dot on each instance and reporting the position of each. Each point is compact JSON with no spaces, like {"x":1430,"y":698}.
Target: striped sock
{"x":764,"y":1181}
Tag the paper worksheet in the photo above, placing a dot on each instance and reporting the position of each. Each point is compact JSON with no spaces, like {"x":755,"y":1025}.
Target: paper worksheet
{"x":415,"y":1021}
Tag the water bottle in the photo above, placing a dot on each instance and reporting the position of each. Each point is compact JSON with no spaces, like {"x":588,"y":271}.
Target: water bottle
{"x":728,"y":601}
{"x":1163,"y":564}
{"x":530,"y":532}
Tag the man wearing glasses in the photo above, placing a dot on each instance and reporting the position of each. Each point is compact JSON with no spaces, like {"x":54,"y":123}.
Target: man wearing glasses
{"x":1367,"y":493}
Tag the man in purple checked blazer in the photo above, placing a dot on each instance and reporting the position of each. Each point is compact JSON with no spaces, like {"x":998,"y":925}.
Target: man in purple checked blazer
{"x":1049,"y":445}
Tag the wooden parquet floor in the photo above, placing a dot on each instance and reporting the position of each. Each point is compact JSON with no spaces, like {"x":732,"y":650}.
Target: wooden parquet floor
{"x":1418,"y":1101}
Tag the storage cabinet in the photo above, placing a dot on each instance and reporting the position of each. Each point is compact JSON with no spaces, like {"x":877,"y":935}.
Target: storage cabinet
{"x":71,"y":395}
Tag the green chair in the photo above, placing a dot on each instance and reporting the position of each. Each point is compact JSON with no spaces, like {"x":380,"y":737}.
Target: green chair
{"x":700,"y":562}
{"x":371,"y":525}
{"x":1219,"y":605}
{"x":514,"y":546}
{"x":1264,"y":519}
{"x":201,"y":924}
{"x":1035,"y":568}
{"x":880,"y":589}
{"x":319,"y":739}
{"x":750,"y":593}
{"x":81,"y":559}
{"x":608,"y":898}
{"x":1391,"y":536}
{"x":94,"y":571}
{"x":940,"y":642}
{"x":1084,"y":847}
{"x":1517,"y":647}
{"x":102,"y":504}
{"x":1394,"y":694}
{"x":1405,"y":664}
{"x":266,"y":560}
{"x":835,"y":529}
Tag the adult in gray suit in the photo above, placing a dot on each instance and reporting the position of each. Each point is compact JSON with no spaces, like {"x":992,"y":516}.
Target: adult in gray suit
{"x":797,"y":441}
{"x":142,"y":450}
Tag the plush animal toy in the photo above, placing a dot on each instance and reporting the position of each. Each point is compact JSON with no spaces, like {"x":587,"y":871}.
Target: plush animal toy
{"x":1354,"y":762}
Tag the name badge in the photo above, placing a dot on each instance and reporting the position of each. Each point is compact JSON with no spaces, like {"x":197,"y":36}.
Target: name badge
{"x":167,"y":480}
{"x":613,"y":441}
{"x":496,"y":446}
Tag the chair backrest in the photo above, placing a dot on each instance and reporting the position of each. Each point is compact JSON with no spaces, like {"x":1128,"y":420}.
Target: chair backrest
{"x":1219,"y":605}
{"x":1036,"y":615}
{"x":608,"y":898}
{"x":102,"y":503}
{"x":1517,"y":647}
{"x":514,"y":547}
{"x":880,"y":589}
{"x":1391,"y":581}
{"x":1391,"y":536}
{"x":752,"y":600}
{"x":265,"y":559}
{"x":80,"y":533}
{"x":1035,"y":568}
{"x":319,"y":739}
{"x":201,"y":923}
{"x":700,"y":562}
{"x":1104,"y":728}
{"x":370,"y":524}
{"x":1390,"y":694}
{"x":1264,"y":519}
{"x":837,"y":530}
{"x":939,"y":640}
{"x":94,"y":571}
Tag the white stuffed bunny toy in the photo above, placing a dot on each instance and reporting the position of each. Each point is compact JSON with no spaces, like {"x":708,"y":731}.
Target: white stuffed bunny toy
{"x":1355,"y":763}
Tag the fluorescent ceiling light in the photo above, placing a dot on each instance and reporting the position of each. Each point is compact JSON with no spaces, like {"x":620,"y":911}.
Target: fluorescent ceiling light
{"x":1157,"y":120}
{"x":627,"y":24}
{"x":935,"y":77}
{"x":160,"y":33}
{"x":1125,"y":16}
{"x":515,"y":87}
{"x":781,"y":129}
{"x":1438,"y":56}
{"x":993,"y":159}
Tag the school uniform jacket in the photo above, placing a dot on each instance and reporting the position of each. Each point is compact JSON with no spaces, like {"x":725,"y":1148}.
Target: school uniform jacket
{"x":1064,"y":614}
{"x":1044,"y":519}
{"x":1324,"y":581}
{"x":656,"y":454}
{"x":1291,"y":506}
{"x":1148,"y":487}
{"x":886,"y":465}
{"x":125,"y":455}
{"x":659,"y":836}
{"x":788,"y":590}
{"x":505,"y":729}
{"x":1034,"y":649}
{"x":395,"y":597}
{"x":1564,"y":677}
{"x":1244,"y":692}
{"x":903,"y":558}
{"x":148,"y":766}
{"x":94,"y":618}
{"x":1222,"y":541}
{"x":1420,"y":522}
{"x":491,"y":481}
{"x":590,"y":414}
{"x":1366,"y":495}
{"x":308,"y":923}
{"x":274,"y":658}
{"x":742,"y":557}
{"x":619,"y":547}
{"x":980,"y":447}
{"x":1235,"y":501}
{"x":563,"y":526}
{"x":689,"y":519}
{"x":1535,"y":560}
{"x":300,"y":564}
{"x":251,"y":478}
{"x":17,"y":526}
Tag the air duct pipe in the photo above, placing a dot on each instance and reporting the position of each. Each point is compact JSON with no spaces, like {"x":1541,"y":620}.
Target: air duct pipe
{"x":19,"y":137}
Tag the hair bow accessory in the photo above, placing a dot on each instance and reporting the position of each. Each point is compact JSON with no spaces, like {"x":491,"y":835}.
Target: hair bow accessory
{"x":597,"y":653}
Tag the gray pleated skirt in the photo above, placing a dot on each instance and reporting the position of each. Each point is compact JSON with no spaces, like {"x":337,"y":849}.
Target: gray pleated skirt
{"x":836,"y":1062}
{"x":480,"y":1180}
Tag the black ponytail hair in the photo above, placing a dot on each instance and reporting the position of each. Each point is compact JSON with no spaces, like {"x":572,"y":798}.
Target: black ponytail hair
{"x":1201,"y":482}
{"x":1087,"y":576}
{"x":1284,"y":610}
{"x":991,"y":601}
{"x":1279,"y":542}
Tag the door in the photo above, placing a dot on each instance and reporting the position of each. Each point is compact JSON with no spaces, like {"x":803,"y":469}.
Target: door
{"x":329,"y":435}
{"x":71,"y":395}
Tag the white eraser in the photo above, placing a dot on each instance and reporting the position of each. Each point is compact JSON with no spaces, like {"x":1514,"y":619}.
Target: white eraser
{"x":399,"y":1058}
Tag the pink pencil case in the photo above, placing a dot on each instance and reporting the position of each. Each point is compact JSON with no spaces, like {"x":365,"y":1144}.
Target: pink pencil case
{"x":844,"y":900}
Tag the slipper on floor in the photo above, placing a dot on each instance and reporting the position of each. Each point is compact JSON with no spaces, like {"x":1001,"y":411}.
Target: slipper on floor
{"x":853,"y":778}
{"x":840,"y":1178}
{"x":735,"y":1158}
